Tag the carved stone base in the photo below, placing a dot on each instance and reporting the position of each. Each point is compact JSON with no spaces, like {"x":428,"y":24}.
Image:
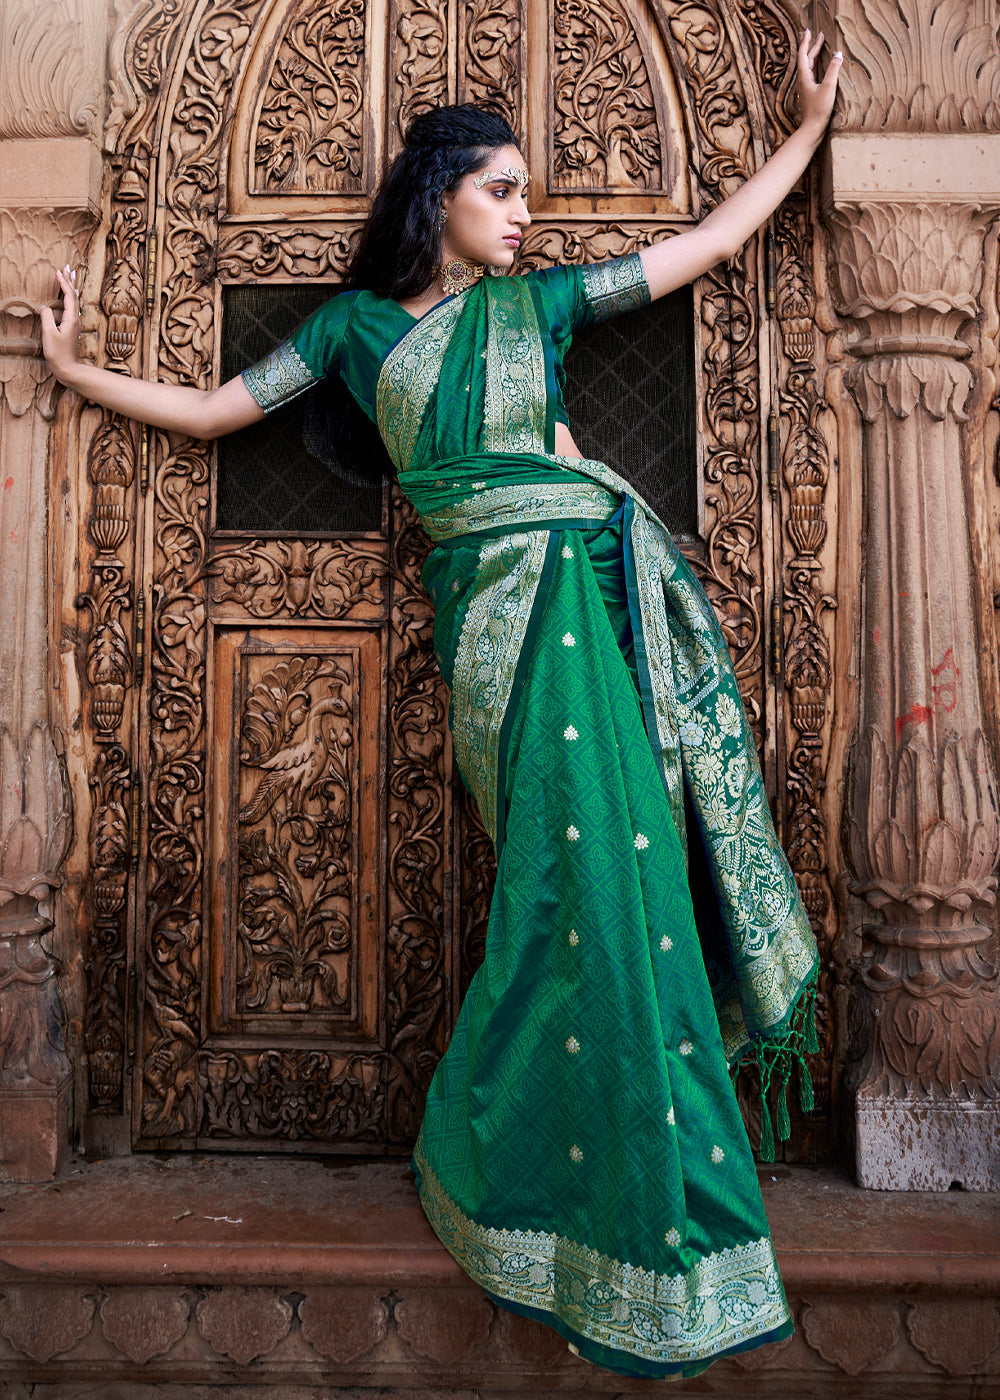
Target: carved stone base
{"x":34,"y":1131}
{"x":927,"y":1146}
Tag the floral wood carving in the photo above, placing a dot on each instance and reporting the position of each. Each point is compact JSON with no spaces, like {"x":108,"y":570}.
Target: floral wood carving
{"x":418,"y":54}
{"x":296,"y":919}
{"x":915,"y":65}
{"x":299,"y":578}
{"x":304,"y":252}
{"x":807,"y":664}
{"x":417,"y":983}
{"x":294,"y":1096}
{"x":309,"y":134}
{"x":492,"y":44}
{"x":123,"y":292}
{"x":605,"y":133}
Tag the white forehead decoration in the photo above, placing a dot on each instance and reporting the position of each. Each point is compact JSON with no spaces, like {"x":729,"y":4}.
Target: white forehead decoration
{"x":511,"y":173}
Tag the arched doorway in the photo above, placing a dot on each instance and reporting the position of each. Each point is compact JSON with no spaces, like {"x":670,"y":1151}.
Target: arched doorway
{"x":277,"y":964}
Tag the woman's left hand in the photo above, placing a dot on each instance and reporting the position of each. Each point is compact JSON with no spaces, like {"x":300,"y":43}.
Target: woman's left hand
{"x":816,"y":99}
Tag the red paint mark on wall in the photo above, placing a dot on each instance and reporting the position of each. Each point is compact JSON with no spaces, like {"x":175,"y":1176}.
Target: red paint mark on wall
{"x":944,"y":694}
{"x":875,"y":637}
{"x":945,"y":689}
{"x":916,"y":714}
{"x":8,"y":483}
{"x":13,"y":536}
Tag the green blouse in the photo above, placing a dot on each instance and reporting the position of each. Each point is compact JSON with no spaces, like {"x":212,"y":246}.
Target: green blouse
{"x":353,"y":333}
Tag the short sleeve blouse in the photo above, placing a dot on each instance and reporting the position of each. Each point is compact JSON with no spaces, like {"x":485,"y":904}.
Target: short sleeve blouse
{"x":352,"y":333}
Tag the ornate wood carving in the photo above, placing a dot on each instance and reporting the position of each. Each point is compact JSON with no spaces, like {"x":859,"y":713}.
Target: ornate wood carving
{"x":303,"y":252}
{"x":300,"y":578}
{"x":299,"y":881}
{"x":308,"y":135}
{"x":418,"y":59}
{"x":366,"y":1098}
{"x":492,"y":58}
{"x":417,"y":973}
{"x":605,"y":133}
{"x":807,"y":662}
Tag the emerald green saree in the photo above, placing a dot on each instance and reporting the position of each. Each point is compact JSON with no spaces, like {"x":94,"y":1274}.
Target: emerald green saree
{"x":582,"y":1155}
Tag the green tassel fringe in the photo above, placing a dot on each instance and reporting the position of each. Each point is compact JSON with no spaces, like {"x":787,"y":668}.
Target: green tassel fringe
{"x":774,"y":1060}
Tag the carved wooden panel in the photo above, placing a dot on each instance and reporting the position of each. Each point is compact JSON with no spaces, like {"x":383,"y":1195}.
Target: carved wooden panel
{"x":294,"y":937}
{"x":308,"y":134}
{"x":299,"y":972}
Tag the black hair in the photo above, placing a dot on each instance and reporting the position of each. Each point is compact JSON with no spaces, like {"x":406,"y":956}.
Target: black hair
{"x":400,"y":243}
{"x":396,"y":253}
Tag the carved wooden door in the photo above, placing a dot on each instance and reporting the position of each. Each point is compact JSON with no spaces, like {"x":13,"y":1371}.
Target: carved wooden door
{"x":309,"y":887}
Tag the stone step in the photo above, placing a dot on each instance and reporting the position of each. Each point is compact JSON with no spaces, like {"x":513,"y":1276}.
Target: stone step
{"x":193,"y":1276}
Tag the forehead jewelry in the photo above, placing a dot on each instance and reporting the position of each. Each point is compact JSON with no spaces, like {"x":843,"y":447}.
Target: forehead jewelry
{"x":509,"y":173}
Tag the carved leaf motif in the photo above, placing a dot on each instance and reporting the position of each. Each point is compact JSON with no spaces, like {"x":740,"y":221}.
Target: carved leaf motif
{"x":309,"y":132}
{"x":420,"y":54}
{"x":926,"y":66}
{"x":852,"y":1336}
{"x":243,"y":1323}
{"x":293,"y":1096}
{"x":248,"y":253}
{"x":49,"y":62}
{"x":42,"y":1320}
{"x":330,"y":579}
{"x":493,"y":66}
{"x":958,"y":1335}
{"x":297,"y":914}
{"x":604,"y":126}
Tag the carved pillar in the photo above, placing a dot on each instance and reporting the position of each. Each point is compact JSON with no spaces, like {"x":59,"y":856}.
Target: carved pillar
{"x":910,"y":193}
{"x":51,"y":68}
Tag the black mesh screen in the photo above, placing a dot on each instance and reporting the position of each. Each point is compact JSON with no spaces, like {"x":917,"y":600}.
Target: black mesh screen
{"x":631,"y":401}
{"x":268,"y":482}
{"x":629,"y":395}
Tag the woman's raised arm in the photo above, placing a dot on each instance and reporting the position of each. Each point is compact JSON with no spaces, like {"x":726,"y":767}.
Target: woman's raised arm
{"x":720,"y":235}
{"x":201,"y":413}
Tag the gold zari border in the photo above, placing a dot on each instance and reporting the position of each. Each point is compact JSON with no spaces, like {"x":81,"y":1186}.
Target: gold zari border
{"x":722,"y":1302}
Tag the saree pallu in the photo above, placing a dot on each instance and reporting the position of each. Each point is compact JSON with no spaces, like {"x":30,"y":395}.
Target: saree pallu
{"x":582,"y":1153}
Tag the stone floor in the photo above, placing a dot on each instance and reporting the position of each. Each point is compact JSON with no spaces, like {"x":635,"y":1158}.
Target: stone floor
{"x":242,"y":1278}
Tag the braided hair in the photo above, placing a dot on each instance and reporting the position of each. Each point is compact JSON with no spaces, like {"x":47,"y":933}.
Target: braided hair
{"x":400,"y":243}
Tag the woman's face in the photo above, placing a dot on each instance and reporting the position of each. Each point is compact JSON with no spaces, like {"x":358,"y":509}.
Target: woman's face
{"x":487,"y":217}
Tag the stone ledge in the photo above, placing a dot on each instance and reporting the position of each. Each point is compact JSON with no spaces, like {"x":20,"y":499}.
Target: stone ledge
{"x":167,"y":1275}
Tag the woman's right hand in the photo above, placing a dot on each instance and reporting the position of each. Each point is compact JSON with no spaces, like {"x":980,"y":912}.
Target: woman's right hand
{"x":59,"y":342}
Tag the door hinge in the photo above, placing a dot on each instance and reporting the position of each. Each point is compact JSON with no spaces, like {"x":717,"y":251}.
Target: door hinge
{"x":150,"y":272}
{"x":772,"y":450}
{"x":144,"y":458}
{"x":131,"y":1014}
{"x":776,"y":637}
{"x":770,"y":271}
{"x":139,"y":661}
{"x":136,"y":809}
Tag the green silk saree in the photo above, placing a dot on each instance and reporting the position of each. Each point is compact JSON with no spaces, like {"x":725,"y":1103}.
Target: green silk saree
{"x":582,"y":1154}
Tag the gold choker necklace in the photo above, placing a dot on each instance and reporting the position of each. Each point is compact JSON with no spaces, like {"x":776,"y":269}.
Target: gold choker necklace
{"x":459,"y":275}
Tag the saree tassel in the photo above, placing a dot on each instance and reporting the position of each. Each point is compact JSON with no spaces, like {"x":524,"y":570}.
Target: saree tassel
{"x":765,"y":1151}
{"x":777,"y":1056}
{"x":784,"y":1122}
{"x":806,"y":1096}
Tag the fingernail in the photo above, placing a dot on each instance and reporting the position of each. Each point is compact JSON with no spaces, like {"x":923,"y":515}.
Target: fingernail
{"x":838,"y":54}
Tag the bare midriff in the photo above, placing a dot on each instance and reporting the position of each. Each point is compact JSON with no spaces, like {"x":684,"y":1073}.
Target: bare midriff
{"x":564,"y":444}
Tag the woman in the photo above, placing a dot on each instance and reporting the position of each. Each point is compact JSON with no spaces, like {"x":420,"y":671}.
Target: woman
{"x":582,"y":1154}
